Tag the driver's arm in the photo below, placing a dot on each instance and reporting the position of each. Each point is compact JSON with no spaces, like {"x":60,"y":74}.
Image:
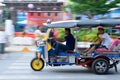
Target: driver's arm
{"x":59,"y":39}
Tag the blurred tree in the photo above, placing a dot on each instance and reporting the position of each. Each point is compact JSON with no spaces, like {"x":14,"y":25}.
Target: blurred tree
{"x":6,"y":14}
{"x":91,"y":7}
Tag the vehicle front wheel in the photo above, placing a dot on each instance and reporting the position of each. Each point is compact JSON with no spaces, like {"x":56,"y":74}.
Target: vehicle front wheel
{"x":100,"y":66}
{"x":37,"y":64}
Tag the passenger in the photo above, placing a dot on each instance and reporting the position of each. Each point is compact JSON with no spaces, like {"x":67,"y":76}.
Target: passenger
{"x":38,"y":34}
{"x":70,"y":42}
{"x":104,"y":40}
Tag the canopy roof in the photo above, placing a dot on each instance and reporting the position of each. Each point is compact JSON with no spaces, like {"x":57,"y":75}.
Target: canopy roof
{"x":87,"y":23}
{"x":62,"y":24}
{"x":110,"y":22}
{"x":83,"y":23}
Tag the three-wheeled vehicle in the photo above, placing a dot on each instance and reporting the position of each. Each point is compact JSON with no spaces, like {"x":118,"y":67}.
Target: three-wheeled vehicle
{"x":100,"y":61}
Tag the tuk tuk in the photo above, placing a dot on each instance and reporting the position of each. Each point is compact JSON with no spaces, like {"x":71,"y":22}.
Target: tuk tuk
{"x":100,"y":60}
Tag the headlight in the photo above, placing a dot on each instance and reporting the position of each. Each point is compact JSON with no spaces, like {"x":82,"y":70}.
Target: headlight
{"x":39,"y":42}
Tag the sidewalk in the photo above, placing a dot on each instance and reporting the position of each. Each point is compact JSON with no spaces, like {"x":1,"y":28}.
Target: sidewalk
{"x":15,"y":48}
{"x":21,"y":44}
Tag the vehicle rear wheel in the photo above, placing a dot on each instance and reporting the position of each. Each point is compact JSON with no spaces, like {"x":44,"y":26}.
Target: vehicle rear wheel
{"x":37,"y":64}
{"x":100,"y":66}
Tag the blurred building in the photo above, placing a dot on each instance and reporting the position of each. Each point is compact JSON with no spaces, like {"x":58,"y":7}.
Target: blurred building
{"x":34,"y":5}
{"x":35,"y":11}
{"x":16,"y":6}
{"x":40,"y":17}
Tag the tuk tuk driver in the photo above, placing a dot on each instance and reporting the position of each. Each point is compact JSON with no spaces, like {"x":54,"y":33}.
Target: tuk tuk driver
{"x":70,"y":42}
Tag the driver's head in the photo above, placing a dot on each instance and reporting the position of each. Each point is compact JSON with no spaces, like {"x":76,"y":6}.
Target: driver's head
{"x":67,"y":31}
{"x":100,"y":30}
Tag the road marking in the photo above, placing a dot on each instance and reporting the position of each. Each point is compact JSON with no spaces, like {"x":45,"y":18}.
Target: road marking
{"x":23,"y":61}
{"x":19,"y":67}
{"x":21,"y":64}
{"x":44,"y":77}
{"x":17,"y":72}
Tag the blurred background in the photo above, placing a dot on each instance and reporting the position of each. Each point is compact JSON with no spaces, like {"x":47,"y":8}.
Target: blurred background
{"x":20,"y":18}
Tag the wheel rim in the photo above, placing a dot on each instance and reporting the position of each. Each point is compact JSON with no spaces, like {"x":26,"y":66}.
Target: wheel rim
{"x":101,"y":66}
{"x":37,"y":64}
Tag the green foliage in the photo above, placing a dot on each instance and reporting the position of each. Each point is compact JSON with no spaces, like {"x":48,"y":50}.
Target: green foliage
{"x":61,"y":33}
{"x":91,"y":7}
{"x":87,"y":35}
{"x":6,"y":13}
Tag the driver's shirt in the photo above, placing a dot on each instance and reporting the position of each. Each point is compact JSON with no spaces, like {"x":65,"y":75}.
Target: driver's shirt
{"x":107,"y":40}
{"x":70,"y":41}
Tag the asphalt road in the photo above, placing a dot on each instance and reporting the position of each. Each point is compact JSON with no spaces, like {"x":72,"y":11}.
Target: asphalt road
{"x":16,"y":66}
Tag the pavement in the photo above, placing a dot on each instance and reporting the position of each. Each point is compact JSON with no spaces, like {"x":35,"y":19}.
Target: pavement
{"x":20,"y":48}
{"x":16,"y":66}
{"x":21,"y":44}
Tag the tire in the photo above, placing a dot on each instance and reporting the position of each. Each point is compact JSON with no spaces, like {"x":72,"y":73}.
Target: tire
{"x":37,"y":65}
{"x":100,"y":66}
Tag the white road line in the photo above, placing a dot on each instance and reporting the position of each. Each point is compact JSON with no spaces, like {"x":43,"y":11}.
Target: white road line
{"x":19,"y":67}
{"x":27,"y":61}
{"x":44,"y":77}
{"x":21,"y":64}
{"x":17,"y":72}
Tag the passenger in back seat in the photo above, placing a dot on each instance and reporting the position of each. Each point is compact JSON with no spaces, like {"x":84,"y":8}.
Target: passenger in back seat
{"x":104,"y":40}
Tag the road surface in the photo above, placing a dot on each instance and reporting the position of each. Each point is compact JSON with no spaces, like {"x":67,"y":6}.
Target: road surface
{"x":16,"y":66}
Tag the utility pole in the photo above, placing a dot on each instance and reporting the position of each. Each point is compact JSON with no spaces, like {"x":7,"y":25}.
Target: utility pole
{"x":1,"y":12}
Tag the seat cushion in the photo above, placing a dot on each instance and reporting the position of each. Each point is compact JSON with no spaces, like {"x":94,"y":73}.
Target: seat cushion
{"x":101,"y":50}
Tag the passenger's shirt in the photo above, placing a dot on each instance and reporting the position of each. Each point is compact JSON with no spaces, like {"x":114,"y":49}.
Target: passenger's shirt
{"x":107,"y":40}
{"x":70,"y":41}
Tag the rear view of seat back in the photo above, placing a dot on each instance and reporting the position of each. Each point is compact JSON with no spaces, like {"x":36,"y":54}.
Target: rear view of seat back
{"x":115,"y":45}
